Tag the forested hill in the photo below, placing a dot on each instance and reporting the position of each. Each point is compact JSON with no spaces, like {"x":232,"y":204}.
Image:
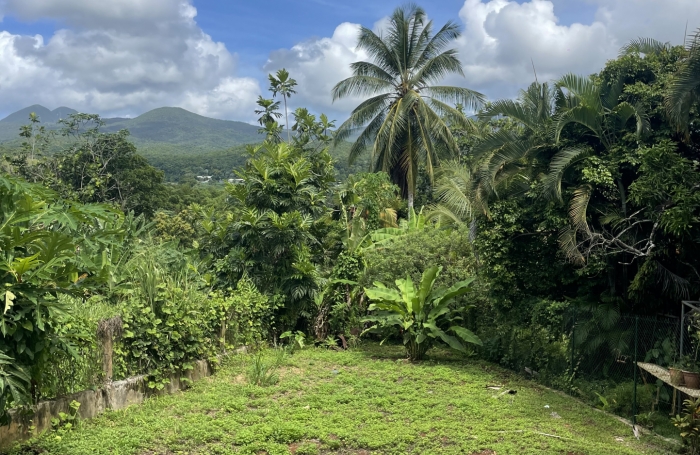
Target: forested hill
{"x":184,"y":131}
{"x":179,"y":142}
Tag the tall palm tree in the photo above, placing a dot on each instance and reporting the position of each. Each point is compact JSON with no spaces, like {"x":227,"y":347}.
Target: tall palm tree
{"x":284,"y":85}
{"x":405,"y":117}
{"x":684,"y":92}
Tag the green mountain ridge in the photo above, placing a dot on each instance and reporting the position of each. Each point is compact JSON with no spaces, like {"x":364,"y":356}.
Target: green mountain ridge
{"x":181,"y":143}
{"x":186,"y":131}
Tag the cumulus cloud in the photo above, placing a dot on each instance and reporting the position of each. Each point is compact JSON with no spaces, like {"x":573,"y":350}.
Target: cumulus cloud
{"x":501,"y":40}
{"x":121,"y":57}
{"x":319,"y":64}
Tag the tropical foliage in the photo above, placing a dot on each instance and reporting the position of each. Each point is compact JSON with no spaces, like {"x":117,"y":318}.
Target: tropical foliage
{"x":422,"y":315}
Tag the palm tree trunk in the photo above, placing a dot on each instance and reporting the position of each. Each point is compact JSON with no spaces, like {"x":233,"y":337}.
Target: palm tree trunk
{"x":410,"y":202}
{"x":286,"y":117}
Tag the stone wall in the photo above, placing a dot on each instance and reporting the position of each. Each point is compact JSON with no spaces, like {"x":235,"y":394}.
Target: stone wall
{"x":117,"y":395}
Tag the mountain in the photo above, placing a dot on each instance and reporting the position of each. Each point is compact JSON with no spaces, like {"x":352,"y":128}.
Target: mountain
{"x":46,"y":116}
{"x":176,"y":126}
{"x":171,"y":128}
{"x":177,"y":141}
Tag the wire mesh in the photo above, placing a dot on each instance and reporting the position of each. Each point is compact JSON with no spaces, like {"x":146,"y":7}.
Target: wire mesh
{"x":600,"y":363}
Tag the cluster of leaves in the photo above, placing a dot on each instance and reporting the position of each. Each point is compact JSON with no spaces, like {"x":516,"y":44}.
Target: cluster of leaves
{"x":90,"y":166}
{"x":274,"y":228}
{"x":590,"y":172}
{"x":45,"y":244}
{"x":422,"y":315}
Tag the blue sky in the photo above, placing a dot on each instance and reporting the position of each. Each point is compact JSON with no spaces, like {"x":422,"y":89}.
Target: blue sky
{"x":124,"y":57}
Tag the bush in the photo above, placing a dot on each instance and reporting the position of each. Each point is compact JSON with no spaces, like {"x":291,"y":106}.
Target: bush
{"x":417,"y":251}
{"x":66,"y":373}
{"x":250,"y":314}
{"x":181,"y":326}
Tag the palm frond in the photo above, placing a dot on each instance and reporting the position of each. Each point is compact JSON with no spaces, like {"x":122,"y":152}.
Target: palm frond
{"x":684,"y":90}
{"x":569,"y":246}
{"x":583,"y":88}
{"x":372,"y":70}
{"x":360,"y":86}
{"x":646,"y":46}
{"x":458,"y":95}
{"x":558,"y":166}
{"x":434,"y":46}
{"x":626,"y":111}
{"x":578,"y":208}
{"x":378,"y":51}
{"x":437,"y":68}
{"x":583,"y":115}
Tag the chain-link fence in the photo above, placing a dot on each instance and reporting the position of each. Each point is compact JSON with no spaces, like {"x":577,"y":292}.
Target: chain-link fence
{"x":605,"y":353}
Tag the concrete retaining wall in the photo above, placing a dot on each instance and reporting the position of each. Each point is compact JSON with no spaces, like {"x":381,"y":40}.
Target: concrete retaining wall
{"x":115,"y":396}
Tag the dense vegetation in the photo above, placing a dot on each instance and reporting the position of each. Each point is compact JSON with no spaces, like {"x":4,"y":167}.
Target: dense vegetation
{"x":539,"y":225}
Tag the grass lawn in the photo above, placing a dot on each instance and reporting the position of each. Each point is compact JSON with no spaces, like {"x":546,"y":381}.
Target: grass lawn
{"x":364,"y":401}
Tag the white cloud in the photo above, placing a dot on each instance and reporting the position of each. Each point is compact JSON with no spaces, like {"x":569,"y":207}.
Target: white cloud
{"x":121,"y":57}
{"x":317,"y":65}
{"x":501,"y":40}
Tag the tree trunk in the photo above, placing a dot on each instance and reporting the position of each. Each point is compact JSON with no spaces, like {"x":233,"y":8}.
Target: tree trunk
{"x":286,"y":118}
{"x":410,"y":202}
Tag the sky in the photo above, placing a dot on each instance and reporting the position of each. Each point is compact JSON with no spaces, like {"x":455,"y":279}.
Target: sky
{"x":212,"y":57}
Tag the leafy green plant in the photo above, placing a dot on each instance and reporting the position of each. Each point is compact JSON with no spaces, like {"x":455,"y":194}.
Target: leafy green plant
{"x":330,"y":342}
{"x":66,"y":421}
{"x":13,"y":384}
{"x":249,"y":314}
{"x":262,"y":372}
{"x":423,"y":315}
{"x":42,"y":243}
{"x":689,"y":425}
{"x":297,"y":339}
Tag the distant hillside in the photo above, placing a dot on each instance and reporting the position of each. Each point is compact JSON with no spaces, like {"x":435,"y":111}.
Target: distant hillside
{"x":189,"y":132}
{"x":46,"y":116}
{"x":179,"y":142}
{"x":185,"y":131}
{"x":221,"y":163}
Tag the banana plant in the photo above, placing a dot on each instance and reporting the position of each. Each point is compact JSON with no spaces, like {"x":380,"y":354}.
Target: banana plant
{"x":423,"y":315}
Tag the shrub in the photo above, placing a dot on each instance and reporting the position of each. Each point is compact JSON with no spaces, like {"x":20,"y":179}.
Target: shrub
{"x":249,"y":314}
{"x":423,"y":315}
{"x":182,"y":326}
{"x":416,"y":251}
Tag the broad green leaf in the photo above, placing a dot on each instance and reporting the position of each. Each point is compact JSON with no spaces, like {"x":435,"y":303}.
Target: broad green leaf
{"x":427,"y":282}
{"x":466,"y":335}
{"x":378,"y":293}
{"x":456,"y":290}
{"x":9,"y":301}
{"x":20,"y":266}
{"x":408,"y":293}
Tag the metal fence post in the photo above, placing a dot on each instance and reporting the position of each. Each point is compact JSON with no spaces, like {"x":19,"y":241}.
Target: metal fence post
{"x":573,"y":346}
{"x":679,"y":401}
{"x":634,"y":404}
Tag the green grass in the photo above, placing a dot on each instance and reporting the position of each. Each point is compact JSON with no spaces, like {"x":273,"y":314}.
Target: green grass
{"x":369,"y":400}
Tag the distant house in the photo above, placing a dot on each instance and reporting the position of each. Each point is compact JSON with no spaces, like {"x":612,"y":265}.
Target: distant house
{"x":236,"y":181}
{"x":204,"y":178}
